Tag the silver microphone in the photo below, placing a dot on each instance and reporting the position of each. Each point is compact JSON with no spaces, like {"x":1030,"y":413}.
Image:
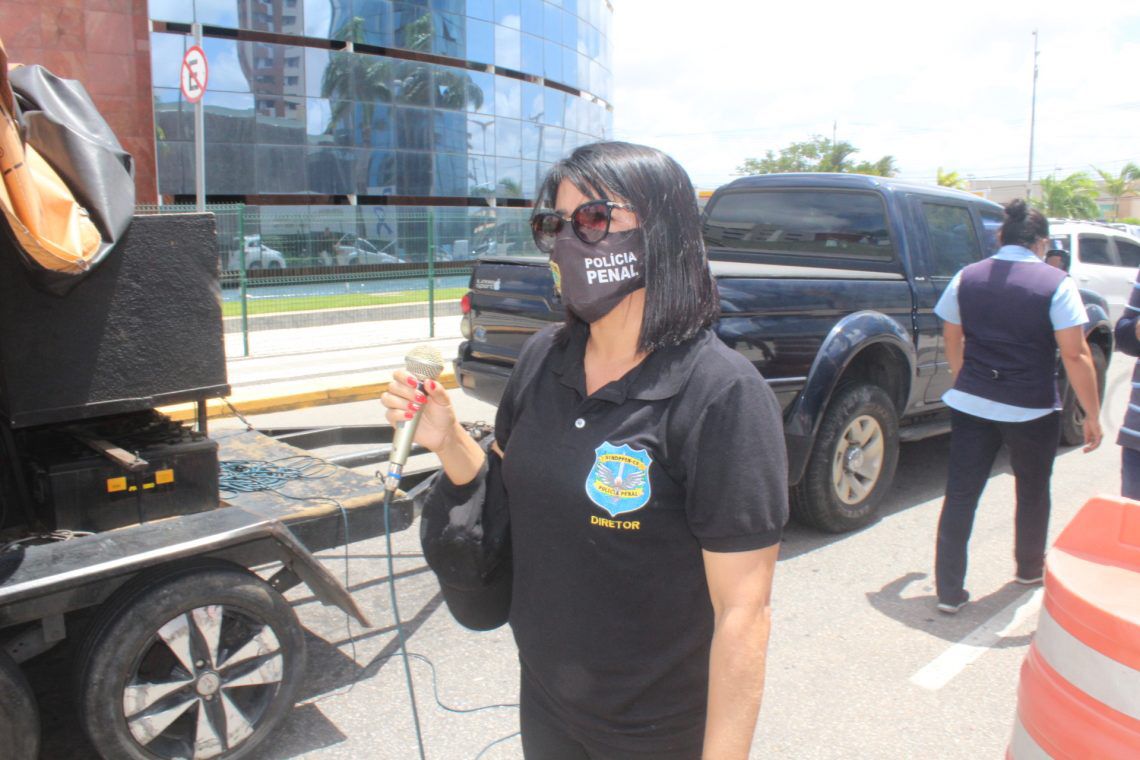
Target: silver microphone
{"x":425,"y":363}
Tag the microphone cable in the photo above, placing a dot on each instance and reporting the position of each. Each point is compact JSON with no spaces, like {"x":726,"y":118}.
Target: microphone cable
{"x":423,"y":363}
{"x":399,"y":623}
{"x":248,"y":476}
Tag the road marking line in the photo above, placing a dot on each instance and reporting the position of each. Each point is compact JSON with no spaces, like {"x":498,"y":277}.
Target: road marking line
{"x":942,"y":669}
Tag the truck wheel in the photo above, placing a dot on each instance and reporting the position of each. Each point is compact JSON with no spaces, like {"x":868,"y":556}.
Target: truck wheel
{"x":853,"y":461}
{"x":19,"y":714}
{"x":202,"y":663}
{"x":1072,"y":415}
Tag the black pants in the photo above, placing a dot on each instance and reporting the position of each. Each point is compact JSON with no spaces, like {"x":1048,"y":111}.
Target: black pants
{"x":974,"y":443}
{"x":1130,"y":473}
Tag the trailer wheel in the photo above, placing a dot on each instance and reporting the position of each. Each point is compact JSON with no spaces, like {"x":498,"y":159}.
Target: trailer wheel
{"x":199,"y":664}
{"x":853,"y":461}
{"x":19,"y":715}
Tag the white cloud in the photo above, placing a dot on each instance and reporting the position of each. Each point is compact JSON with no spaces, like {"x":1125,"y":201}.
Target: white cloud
{"x":932,"y":85}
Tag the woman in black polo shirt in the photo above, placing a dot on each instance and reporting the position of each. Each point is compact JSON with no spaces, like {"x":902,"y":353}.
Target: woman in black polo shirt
{"x":644,"y":472}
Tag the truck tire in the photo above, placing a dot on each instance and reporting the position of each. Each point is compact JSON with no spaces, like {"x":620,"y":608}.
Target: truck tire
{"x":200,"y":663}
{"x":19,"y":714}
{"x":1072,"y":415}
{"x":852,"y":463}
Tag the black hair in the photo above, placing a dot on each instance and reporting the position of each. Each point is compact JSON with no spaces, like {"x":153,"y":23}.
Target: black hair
{"x":1060,"y":253}
{"x":1023,"y":225}
{"x":680,"y":295}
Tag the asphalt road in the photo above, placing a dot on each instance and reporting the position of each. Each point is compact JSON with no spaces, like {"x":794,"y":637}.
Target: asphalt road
{"x":861,"y":665}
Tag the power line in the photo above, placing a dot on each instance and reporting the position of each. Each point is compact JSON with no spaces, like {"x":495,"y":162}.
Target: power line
{"x":1004,"y":172}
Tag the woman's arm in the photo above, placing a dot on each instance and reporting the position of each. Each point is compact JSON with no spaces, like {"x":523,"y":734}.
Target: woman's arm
{"x":1077,"y":358}
{"x":438,"y":429}
{"x":740,"y":586}
{"x":954,"y":344}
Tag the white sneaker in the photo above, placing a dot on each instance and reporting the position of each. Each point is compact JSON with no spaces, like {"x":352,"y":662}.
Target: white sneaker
{"x":951,"y":608}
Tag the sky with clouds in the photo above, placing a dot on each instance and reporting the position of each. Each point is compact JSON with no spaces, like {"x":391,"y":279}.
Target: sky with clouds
{"x":935,"y":85}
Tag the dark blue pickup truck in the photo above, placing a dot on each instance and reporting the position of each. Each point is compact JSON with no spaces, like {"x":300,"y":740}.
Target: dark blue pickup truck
{"x":828,"y":284}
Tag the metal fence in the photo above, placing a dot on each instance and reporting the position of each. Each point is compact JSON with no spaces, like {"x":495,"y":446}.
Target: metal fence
{"x":376,"y":273}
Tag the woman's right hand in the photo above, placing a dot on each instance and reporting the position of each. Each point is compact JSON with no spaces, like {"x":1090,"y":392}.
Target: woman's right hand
{"x":437,"y":421}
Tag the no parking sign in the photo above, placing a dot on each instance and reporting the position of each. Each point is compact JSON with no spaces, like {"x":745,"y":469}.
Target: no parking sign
{"x":194,"y":75}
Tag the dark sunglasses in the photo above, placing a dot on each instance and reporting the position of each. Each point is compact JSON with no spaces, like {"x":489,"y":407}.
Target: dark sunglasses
{"x":590,"y":222}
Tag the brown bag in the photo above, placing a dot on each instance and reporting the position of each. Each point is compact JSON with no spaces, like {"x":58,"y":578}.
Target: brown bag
{"x":68,"y":187}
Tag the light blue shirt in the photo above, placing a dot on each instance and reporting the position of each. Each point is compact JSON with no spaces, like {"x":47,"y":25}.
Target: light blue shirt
{"x":1066,"y":310}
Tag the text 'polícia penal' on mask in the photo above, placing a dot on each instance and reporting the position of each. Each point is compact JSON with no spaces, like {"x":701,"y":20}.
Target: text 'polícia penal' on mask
{"x":612,"y":268}
{"x":594,"y":277}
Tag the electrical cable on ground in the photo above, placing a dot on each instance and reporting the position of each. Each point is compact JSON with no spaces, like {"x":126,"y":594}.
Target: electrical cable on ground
{"x":248,"y":424}
{"x":249,"y":476}
{"x":498,"y":741}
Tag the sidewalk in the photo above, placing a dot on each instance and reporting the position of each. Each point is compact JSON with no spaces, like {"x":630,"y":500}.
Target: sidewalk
{"x":310,"y":366}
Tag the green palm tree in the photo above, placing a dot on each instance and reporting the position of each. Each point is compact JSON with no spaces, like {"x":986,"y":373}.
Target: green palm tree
{"x":510,"y":187}
{"x":362,"y":83}
{"x":1118,"y":185}
{"x":884,"y":167}
{"x":818,"y":154}
{"x":834,"y":158}
{"x":419,"y":33}
{"x":455,"y":90}
{"x":950,"y":179}
{"x":1073,"y":197}
{"x":354,"y":79}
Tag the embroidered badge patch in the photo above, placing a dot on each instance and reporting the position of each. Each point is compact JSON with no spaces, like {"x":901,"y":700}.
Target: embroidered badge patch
{"x":619,"y":480}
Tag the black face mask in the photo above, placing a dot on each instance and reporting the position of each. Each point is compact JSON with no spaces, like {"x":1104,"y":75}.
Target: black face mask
{"x":594,"y":278}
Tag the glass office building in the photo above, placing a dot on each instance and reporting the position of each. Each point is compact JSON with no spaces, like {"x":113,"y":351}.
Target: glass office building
{"x":373,"y":102}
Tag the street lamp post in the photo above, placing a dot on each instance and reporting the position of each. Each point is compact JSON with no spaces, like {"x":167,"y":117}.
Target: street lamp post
{"x":483,"y":127}
{"x":199,"y":138}
{"x":1032,"y":120}
{"x":537,"y":119}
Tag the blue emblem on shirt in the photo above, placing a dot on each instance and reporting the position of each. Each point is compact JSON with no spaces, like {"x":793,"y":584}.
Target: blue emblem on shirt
{"x":619,"y":480}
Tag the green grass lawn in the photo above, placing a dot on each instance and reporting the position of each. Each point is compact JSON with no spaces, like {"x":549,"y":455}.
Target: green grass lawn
{"x":338,"y":301}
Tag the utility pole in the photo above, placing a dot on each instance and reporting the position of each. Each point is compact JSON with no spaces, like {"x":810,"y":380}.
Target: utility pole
{"x":200,"y":140}
{"x":1032,"y":121}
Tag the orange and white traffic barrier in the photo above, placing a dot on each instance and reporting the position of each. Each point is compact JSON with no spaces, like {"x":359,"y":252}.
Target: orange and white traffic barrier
{"x":1079,"y":695}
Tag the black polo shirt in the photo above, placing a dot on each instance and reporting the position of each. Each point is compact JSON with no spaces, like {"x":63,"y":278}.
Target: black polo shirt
{"x":612,"y":498}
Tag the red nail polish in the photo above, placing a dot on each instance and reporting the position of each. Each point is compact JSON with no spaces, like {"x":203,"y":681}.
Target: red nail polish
{"x":431,"y":384}
{"x":412,"y":382}
{"x":409,"y":415}
{"x":421,"y":398}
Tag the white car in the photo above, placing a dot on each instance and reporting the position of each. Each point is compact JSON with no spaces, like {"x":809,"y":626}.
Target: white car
{"x":257,"y":256}
{"x":1131,"y":229}
{"x":351,"y":251}
{"x":1102,"y":259}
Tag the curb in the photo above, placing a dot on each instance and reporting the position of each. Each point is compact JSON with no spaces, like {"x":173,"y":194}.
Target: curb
{"x":217,"y":407}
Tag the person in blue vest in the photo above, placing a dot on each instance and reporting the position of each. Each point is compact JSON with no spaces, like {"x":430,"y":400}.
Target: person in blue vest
{"x":1128,"y":341}
{"x":1003,"y":319}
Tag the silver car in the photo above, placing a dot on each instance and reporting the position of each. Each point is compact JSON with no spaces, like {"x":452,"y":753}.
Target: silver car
{"x":1103,"y":259}
{"x":257,"y":256}
{"x":352,"y":251}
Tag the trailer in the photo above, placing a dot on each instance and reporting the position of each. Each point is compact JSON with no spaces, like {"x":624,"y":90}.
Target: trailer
{"x":161,"y":551}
